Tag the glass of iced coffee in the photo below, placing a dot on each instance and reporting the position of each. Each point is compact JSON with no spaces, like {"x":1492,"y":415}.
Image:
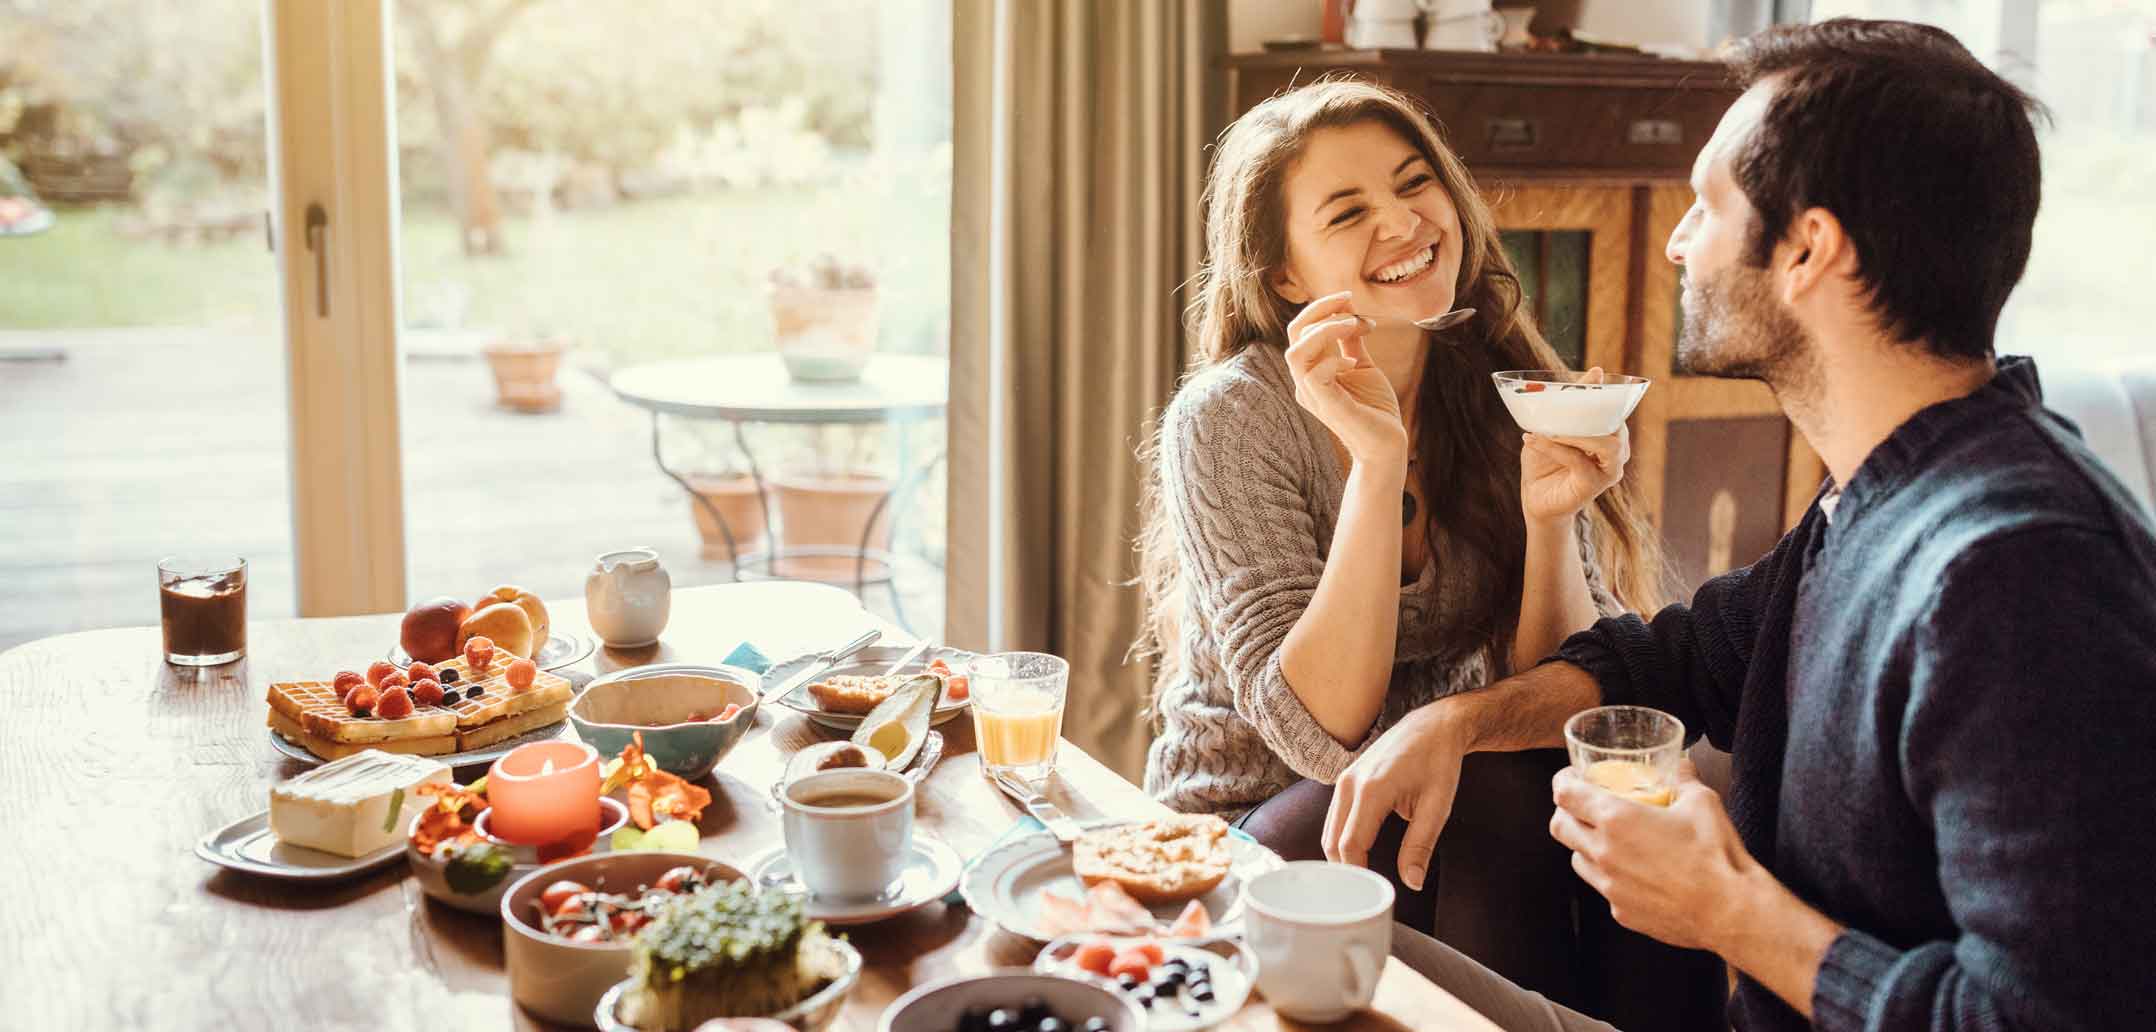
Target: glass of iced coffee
{"x":203,"y":603}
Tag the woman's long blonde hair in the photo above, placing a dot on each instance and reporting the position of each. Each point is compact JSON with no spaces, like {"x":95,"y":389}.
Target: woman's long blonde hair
{"x":1468,"y":445}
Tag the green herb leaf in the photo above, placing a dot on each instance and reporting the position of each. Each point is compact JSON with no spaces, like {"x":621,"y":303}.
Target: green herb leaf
{"x":396,"y":806}
{"x":479,"y":786}
{"x":477,"y":869}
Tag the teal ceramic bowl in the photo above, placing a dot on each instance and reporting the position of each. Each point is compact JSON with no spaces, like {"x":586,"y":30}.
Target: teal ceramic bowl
{"x":673,"y":705}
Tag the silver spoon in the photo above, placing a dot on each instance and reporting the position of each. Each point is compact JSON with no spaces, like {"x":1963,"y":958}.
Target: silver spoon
{"x":1446,"y":321}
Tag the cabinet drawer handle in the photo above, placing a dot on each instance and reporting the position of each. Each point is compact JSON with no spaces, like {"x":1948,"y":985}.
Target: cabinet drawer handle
{"x":1510,"y":133}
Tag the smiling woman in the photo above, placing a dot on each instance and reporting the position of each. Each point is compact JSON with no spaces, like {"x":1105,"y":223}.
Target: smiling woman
{"x":1345,"y":523}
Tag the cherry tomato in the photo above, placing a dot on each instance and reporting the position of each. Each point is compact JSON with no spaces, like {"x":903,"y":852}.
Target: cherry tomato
{"x":551,"y":898}
{"x":1094,"y":957}
{"x":957,"y":688}
{"x":726,"y":714}
{"x":627,"y":921}
{"x":522,"y":673}
{"x":479,"y":652}
{"x":574,"y":906}
{"x":377,"y":670}
{"x":680,"y":879}
{"x":1150,"y":950}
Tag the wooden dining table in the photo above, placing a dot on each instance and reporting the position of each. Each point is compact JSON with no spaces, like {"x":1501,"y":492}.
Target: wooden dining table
{"x":116,"y":764}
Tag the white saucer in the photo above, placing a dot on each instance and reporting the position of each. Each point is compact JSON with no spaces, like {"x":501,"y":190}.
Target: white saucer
{"x":931,"y":873}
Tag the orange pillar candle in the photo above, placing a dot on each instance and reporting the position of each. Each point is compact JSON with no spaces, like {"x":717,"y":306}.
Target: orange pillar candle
{"x":544,"y":792}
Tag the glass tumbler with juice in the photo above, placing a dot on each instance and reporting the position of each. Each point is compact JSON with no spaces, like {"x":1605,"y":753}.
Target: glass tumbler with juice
{"x":1018,"y":711}
{"x":1632,"y":751}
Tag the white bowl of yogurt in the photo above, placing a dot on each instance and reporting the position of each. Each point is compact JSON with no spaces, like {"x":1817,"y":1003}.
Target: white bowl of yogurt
{"x":1562,"y":403}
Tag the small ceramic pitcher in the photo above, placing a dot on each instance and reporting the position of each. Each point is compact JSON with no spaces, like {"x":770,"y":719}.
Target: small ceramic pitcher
{"x":627,"y":596}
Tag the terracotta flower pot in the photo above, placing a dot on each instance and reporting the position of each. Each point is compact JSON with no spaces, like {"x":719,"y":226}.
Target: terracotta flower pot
{"x":830,"y":510}
{"x":823,"y":335}
{"x":524,"y":375}
{"x":734,"y":495}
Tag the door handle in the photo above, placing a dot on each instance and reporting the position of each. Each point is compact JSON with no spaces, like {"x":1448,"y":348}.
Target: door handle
{"x":318,"y":242}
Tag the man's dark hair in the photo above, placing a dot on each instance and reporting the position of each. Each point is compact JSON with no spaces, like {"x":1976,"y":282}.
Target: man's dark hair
{"x":1927,"y":158}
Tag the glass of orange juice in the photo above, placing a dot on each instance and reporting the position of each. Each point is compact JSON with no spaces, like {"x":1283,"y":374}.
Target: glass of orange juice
{"x":1629,"y":750}
{"x":1018,"y":711}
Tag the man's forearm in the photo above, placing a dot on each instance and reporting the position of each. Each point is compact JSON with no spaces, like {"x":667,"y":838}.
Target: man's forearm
{"x":1768,"y":933}
{"x":1527,"y":711}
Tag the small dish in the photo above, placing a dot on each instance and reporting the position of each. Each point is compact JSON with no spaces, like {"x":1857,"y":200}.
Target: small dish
{"x":562,"y":648}
{"x":872,"y":660}
{"x":434,"y":878}
{"x":560,"y":980}
{"x":1004,"y":885}
{"x":1232,"y":966}
{"x":248,"y":845}
{"x":1560,"y":403}
{"x":460,"y":759}
{"x":811,"y":1015}
{"x":672,"y":704}
{"x":937,"y":1006}
{"x":930,"y":874}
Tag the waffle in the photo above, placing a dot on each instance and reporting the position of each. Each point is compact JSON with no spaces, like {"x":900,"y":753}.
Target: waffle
{"x":310,"y":713}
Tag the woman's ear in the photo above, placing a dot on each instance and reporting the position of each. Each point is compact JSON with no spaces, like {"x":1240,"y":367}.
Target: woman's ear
{"x":1283,"y":283}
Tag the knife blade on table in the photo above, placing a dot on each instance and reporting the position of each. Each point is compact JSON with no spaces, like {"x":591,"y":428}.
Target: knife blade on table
{"x":1033,"y":802}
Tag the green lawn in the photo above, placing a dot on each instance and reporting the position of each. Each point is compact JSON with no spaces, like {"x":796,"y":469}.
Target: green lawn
{"x":642,"y":280}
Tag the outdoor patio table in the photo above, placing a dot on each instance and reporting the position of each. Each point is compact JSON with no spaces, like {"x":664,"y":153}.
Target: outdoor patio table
{"x":116,"y":764}
{"x":741,"y":389}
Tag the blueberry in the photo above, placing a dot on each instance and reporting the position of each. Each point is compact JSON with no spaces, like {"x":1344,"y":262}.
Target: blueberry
{"x":1034,"y":1011}
{"x":446,"y":675}
{"x":1051,"y":1024}
{"x":1095,"y":1025}
{"x":1003,"y":1019}
{"x":1127,"y":981}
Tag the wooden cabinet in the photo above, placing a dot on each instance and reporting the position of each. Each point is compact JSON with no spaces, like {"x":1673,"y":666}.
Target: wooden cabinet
{"x":1585,"y":162}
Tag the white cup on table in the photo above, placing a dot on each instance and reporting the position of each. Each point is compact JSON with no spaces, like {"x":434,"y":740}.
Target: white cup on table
{"x":848,"y":832}
{"x":1322,"y":932}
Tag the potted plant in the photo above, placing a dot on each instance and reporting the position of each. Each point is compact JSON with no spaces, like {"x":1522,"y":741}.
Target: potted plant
{"x":722,"y":480}
{"x":524,"y":370}
{"x":823,"y":319}
{"x":826,"y":499}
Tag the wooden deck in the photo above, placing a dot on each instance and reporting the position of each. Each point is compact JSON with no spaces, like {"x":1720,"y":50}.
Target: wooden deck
{"x":144,"y":443}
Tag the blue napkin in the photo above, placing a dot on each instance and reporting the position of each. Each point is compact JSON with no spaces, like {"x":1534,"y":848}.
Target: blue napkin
{"x":746,"y":657}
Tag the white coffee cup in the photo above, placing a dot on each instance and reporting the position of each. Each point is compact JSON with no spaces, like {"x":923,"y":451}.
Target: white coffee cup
{"x":848,"y":851}
{"x":1322,"y":932}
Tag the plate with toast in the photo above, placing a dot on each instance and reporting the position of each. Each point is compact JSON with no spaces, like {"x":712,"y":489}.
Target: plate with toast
{"x":839,"y":698}
{"x":1174,"y":877}
{"x":310,"y":723}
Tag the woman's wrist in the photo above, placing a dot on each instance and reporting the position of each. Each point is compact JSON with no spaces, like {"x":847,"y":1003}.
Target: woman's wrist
{"x":1544,"y":527}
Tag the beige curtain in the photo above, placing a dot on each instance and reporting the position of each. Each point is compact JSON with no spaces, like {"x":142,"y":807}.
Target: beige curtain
{"x":1079,"y":133}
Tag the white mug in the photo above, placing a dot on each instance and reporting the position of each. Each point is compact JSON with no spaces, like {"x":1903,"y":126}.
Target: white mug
{"x":853,"y":852}
{"x":1322,"y":932}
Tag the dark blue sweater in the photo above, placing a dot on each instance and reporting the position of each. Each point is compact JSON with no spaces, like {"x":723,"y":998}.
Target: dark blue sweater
{"x":1941,"y":706}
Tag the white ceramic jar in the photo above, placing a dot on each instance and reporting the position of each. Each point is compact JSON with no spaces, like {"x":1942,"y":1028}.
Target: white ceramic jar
{"x":627,"y":597}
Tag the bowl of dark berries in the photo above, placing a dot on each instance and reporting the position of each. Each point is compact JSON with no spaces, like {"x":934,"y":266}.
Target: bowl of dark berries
{"x":1012,"y":1001}
{"x":1177,"y":985}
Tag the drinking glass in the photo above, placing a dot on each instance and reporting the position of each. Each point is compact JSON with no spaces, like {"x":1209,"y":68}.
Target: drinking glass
{"x":202,"y":604}
{"x":1629,"y":750}
{"x":1018,"y":711}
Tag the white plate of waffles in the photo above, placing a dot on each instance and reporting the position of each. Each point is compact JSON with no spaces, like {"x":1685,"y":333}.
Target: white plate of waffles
{"x":309,"y":723}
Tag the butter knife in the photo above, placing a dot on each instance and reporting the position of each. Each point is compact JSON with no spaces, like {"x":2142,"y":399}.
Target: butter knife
{"x":1059,"y":824}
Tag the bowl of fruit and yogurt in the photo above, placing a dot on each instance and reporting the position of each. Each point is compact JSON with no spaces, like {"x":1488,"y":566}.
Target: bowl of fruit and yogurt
{"x":1563,"y":403}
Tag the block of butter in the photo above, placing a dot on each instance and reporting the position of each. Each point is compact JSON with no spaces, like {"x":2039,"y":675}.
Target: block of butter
{"x":353,"y":806}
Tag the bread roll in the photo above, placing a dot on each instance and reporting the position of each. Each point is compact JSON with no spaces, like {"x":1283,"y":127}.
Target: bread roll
{"x":1167,"y":860}
{"x":505,"y":623}
{"x":530,"y":603}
